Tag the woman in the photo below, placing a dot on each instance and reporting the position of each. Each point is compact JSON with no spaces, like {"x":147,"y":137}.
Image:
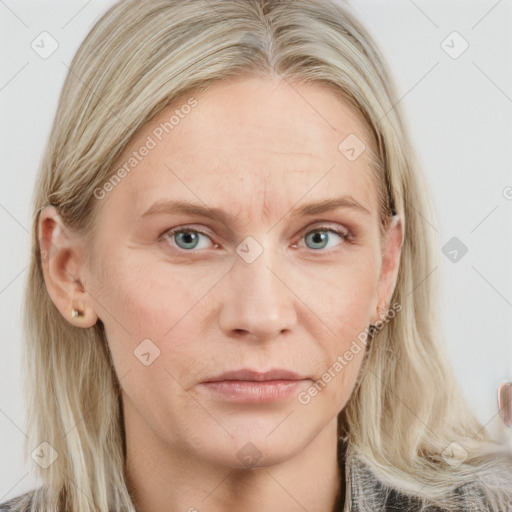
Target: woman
{"x":229,"y":304}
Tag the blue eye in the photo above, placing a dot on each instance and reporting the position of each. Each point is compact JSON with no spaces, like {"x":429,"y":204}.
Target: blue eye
{"x":189,"y":238}
{"x":320,"y":237}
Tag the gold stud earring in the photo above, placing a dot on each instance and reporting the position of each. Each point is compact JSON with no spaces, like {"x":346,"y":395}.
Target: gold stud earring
{"x":76,"y":313}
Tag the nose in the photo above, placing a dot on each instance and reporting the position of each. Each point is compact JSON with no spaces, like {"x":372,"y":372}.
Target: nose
{"x":259,"y":303}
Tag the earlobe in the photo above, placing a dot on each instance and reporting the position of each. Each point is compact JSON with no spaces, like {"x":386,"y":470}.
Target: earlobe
{"x":61,"y":265}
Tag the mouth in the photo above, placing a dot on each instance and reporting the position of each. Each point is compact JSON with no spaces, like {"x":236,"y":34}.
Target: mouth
{"x":247,"y":374}
{"x":247,"y":385}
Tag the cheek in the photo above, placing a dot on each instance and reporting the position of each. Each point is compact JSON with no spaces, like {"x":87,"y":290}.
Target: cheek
{"x":147,"y":323}
{"x":343,"y":294}
{"x":347,"y":310}
{"x":349,"y":315}
{"x":138,"y":301}
{"x":345,"y":306}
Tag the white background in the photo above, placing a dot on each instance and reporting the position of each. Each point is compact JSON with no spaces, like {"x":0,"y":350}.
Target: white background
{"x":459,"y":112}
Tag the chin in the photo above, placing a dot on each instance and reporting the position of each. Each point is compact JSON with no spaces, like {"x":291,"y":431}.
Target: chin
{"x":264,"y":445}
{"x":250,"y":455}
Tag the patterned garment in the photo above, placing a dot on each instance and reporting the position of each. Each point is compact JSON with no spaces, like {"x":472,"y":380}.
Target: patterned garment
{"x":368,"y":494}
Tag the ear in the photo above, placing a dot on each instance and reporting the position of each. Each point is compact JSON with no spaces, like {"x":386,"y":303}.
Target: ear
{"x":391,"y":251}
{"x":61,"y":260}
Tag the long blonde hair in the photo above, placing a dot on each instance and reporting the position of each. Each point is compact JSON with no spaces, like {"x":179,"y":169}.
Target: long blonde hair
{"x":406,"y":409}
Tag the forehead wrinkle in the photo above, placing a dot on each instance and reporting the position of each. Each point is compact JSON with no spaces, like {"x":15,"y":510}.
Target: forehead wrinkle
{"x":266,"y":212}
{"x":270,"y":194}
{"x":270,"y":201}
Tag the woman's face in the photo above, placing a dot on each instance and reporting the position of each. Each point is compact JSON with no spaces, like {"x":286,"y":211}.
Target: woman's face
{"x":262,"y":286}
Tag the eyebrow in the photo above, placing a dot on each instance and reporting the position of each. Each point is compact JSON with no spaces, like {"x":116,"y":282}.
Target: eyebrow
{"x":166,"y":206}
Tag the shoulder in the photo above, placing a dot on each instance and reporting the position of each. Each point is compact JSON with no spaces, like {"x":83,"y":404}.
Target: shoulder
{"x":18,"y":503}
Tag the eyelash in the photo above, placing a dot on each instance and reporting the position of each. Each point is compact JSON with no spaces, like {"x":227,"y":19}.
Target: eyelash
{"x":345,"y":235}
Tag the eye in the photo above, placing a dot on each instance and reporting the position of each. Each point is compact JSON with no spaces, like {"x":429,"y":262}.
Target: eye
{"x":320,"y":237}
{"x":185,"y":238}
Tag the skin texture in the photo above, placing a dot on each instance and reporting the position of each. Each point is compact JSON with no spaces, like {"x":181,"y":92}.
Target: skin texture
{"x":257,"y":148}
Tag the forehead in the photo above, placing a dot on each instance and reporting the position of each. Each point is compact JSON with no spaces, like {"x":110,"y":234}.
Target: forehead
{"x":249,"y":141}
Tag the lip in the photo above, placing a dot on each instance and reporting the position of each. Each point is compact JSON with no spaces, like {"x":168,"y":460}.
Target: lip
{"x":248,"y":374}
{"x":250,"y":386}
